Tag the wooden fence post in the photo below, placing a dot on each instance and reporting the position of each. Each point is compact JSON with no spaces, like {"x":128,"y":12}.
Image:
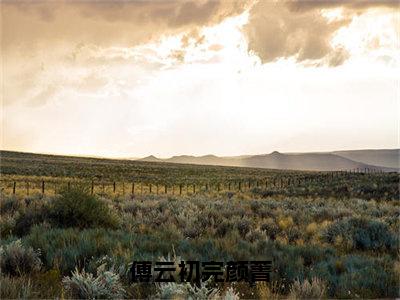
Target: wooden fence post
{"x":133,"y":188}
{"x":219,"y":187}
{"x":123,"y":188}
{"x":14,"y":185}
{"x":229,"y":186}
{"x":42,"y":187}
{"x":240,"y":186}
{"x":150,"y":188}
{"x":180,"y":189}
{"x":194,"y":188}
{"x":27,"y":188}
{"x":165,"y":189}
{"x":114,"y":187}
{"x":92,"y":187}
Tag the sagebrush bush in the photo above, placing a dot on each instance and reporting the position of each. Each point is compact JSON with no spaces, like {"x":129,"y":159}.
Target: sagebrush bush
{"x":173,"y":290}
{"x":307,"y":237}
{"x":17,"y":259}
{"x":7,"y":225}
{"x":83,"y":285}
{"x":361,"y":234}
{"x":204,"y":291}
{"x":358,"y":276}
{"x":231,"y":294}
{"x":9,"y":204}
{"x":77,"y":208}
{"x":271,"y":229}
{"x":30,"y":217}
{"x":66,"y":248}
{"x":314,"y":289}
{"x":223,"y":228}
{"x":15,"y":287}
{"x":243,"y":226}
{"x":192,"y":231}
{"x":268,"y":291}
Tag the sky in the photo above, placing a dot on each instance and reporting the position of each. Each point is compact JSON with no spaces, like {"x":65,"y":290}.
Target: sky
{"x":137,"y":78}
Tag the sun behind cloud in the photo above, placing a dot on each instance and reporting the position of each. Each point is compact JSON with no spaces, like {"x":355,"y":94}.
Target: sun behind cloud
{"x":137,"y":78}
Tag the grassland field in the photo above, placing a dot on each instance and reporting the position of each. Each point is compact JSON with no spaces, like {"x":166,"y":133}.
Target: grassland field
{"x":329,"y":235}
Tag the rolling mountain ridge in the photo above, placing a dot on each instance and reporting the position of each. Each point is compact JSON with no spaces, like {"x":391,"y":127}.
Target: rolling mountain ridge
{"x":382,"y":160}
{"x":389,"y":158}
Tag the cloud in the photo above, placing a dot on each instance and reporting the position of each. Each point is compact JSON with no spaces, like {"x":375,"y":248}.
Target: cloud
{"x":302,"y":5}
{"x":44,"y":43}
{"x":46,"y":92}
{"x":337,"y":57}
{"x":105,"y":23}
{"x":275,"y":32}
{"x":48,"y":46}
{"x":299,"y":29}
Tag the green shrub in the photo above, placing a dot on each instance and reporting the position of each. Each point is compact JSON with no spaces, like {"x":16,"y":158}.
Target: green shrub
{"x":7,"y":225}
{"x":255,"y":235}
{"x":9,"y":204}
{"x":77,"y":208}
{"x":255,"y":206}
{"x":271,"y":229}
{"x":66,"y":248}
{"x":361,"y":234}
{"x":358,"y":276}
{"x":30,"y":217}
{"x":223,"y":228}
{"x":192,"y":231}
{"x":47,"y":284}
{"x":243,"y":226}
{"x":293,"y":234}
{"x":18,"y":260}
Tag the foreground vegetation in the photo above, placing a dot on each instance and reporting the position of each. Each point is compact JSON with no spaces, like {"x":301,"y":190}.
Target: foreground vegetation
{"x":324,"y":240}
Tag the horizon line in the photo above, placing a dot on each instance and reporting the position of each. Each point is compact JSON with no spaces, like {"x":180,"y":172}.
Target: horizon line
{"x":178,"y":155}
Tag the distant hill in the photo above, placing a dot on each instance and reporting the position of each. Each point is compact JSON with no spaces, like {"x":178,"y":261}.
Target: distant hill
{"x":304,"y":161}
{"x":384,"y":160}
{"x":150,"y":158}
{"x":386,"y":157}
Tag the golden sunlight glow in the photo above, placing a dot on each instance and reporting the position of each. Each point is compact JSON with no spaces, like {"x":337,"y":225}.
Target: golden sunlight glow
{"x":216,"y":87}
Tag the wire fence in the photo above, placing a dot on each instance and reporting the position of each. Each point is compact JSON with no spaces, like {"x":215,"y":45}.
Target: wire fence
{"x":54,"y":186}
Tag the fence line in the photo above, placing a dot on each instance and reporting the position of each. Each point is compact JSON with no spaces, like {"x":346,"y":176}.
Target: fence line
{"x":190,"y":188}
